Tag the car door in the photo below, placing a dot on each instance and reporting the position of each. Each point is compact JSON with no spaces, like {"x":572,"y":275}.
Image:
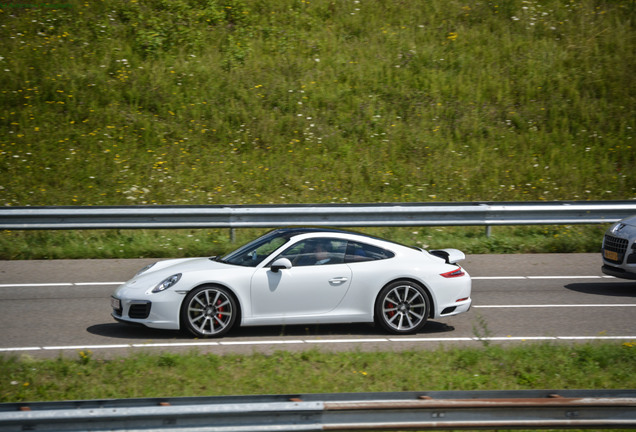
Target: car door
{"x":313,"y":286}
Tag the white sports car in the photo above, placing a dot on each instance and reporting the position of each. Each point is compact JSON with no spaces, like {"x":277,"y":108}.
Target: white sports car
{"x":298,"y":276}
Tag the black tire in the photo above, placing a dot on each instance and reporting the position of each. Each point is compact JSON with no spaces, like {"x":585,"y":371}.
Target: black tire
{"x":402,"y":307}
{"x":209,"y":311}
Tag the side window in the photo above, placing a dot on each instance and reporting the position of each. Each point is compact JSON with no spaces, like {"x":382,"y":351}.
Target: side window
{"x":316,"y":252}
{"x":360,"y":252}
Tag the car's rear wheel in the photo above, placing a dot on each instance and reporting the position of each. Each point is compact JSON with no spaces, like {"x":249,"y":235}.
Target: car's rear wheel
{"x":209,"y":311}
{"x":402,"y":307}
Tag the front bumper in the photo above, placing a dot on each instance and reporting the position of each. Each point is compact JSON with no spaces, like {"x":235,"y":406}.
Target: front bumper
{"x":618,"y":272}
{"x":160,"y":311}
{"x":619,"y":253}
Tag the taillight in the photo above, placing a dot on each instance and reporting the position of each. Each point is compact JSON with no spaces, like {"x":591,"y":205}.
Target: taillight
{"x":454,"y":273}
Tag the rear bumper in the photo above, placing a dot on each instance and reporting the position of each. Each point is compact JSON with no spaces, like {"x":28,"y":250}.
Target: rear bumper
{"x":457,"y":308}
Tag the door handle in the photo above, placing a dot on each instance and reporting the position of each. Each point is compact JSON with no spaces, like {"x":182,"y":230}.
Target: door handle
{"x":338,"y":280}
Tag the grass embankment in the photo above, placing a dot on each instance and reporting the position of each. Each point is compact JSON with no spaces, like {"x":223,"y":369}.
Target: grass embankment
{"x":240,"y":102}
{"x":536,"y":366}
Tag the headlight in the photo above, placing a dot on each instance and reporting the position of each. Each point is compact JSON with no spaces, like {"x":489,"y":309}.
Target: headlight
{"x":167,"y":283}
{"x":145,"y":268}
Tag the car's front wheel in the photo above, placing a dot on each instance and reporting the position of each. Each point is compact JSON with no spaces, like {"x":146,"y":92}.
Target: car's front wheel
{"x":402,"y":307}
{"x":209,"y":311}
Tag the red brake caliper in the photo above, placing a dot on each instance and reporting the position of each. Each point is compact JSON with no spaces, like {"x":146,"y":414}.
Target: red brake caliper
{"x":220,"y":310}
{"x":390,"y":305}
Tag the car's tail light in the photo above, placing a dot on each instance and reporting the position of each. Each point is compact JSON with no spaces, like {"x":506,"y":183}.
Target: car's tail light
{"x":454,"y":273}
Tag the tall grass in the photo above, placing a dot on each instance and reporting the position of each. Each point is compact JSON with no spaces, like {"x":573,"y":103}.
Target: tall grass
{"x":254,"y":102}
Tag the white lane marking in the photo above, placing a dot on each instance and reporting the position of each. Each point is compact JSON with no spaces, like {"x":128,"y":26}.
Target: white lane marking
{"x":592,"y":337}
{"x":416,"y":339}
{"x":554,"y":305}
{"x":83,"y":347}
{"x":567,"y":277}
{"x":271,"y":342}
{"x":497,"y":277}
{"x":537,"y":277}
{"x":97,"y":283}
{"x":60,"y":284}
{"x":21,"y":349}
{"x":173,"y":344}
{"x":35,"y":285}
{"x":322,"y":341}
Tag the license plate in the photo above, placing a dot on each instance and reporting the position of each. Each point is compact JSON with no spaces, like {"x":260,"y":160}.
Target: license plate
{"x":610,"y":255}
{"x":115,"y":303}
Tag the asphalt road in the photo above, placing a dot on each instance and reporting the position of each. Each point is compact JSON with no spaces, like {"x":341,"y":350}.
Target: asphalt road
{"x":61,"y":307}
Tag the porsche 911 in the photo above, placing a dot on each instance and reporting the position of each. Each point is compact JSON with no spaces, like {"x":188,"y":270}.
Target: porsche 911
{"x":299,"y":276}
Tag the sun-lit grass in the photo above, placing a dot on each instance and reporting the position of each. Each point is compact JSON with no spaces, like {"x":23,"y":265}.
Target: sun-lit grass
{"x":194,"y":102}
{"x":533,"y":366}
{"x":256,"y":102}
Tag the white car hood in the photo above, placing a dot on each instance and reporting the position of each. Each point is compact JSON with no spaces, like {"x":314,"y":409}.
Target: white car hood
{"x":164,"y":269}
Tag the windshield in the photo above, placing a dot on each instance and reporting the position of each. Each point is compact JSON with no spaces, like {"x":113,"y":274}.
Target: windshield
{"x":253,"y":253}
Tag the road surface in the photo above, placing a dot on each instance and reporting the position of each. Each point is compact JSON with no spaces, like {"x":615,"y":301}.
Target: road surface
{"x":61,"y":307}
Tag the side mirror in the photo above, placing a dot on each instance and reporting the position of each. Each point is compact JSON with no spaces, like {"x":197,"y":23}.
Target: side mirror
{"x":280,"y":264}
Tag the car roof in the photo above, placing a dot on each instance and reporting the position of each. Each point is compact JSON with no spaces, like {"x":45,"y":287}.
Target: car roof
{"x":305,"y":230}
{"x":293,"y":232}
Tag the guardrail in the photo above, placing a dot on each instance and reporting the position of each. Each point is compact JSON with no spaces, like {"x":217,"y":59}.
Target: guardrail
{"x":529,"y":409}
{"x":334,"y":215}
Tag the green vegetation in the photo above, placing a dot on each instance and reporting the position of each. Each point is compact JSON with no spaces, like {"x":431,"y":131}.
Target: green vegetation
{"x":189,"y":243}
{"x":325,"y":101}
{"x":117,"y":102}
{"x":535,"y":366}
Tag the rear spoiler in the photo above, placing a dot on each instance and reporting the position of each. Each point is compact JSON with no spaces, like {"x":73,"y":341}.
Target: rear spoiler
{"x":451,"y":256}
